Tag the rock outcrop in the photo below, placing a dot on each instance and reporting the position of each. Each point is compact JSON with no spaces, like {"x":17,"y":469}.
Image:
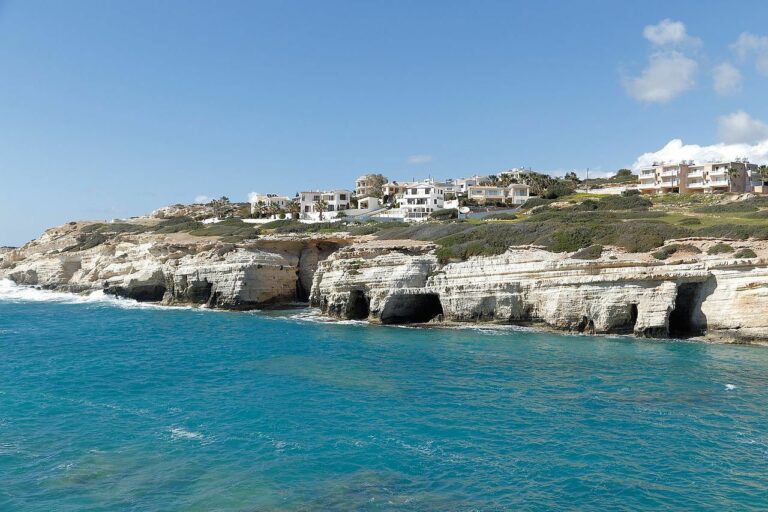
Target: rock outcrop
{"x":717,"y":296}
{"x":173,"y":269}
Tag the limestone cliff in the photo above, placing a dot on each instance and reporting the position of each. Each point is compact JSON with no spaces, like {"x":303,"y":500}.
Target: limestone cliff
{"x":693,"y":294}
{"x":173,"y":268}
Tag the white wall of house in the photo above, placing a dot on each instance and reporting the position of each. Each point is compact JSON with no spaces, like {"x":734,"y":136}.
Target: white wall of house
{"x":421,"y":199}
{"x":335,"y":200}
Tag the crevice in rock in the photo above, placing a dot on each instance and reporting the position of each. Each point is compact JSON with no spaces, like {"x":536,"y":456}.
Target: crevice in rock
{"x":586,"y":325}
{"x":411,"y":308}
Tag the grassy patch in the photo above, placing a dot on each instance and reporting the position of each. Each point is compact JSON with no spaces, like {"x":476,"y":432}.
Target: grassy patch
{"x":592,"y":252}
{"x":745,"y":253}
{"x":669,"y":250}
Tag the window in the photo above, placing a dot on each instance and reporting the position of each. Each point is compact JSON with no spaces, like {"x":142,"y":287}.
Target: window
{"x":343,"y":197}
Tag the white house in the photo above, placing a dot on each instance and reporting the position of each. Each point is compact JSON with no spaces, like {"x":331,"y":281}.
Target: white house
{"x":259,"y":200}
{"x":518,"y":193}
{"x":421,"y":199}
{"x":334,"y":200}
{"x":365,"y":184}
{"x":461,"y":185}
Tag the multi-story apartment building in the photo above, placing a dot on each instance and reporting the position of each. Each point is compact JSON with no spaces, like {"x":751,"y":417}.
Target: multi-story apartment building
{"x":724,"y":176}
{"x":364,"y":185}
{"x":462,"y":184}
{"x":393,"y":191}
{"x":421,"y":199}
{"x":487,"y":194}
{"x":261,"y":200}
{"x":334,"y":202}
{"x":515,"y":194}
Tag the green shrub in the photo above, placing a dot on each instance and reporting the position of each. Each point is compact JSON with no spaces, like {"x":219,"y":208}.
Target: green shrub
{"x":177,"y":225}
{"x":114,"y":228}
{"x":500,"y":216}
{"x":592,"y":252}
{"x":689,"y":221}
{"x":734,"y":231}
{"x":624,"y":203}
{"x":234,"y":229}
{"x":750,"y":204}
{"x":536,"y":201}
{"x":669,"y":250}
{"x":644,"y":235}
{"x":719,"y":248}
{"x":571,"y":239}
{"x":445,"y":214}
{"x":630,"y":192}
{"x":560,"y":188}
{"x":745,"y":253}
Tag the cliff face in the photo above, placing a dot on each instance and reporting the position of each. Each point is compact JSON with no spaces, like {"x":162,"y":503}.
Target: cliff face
{"x":173,"y":268}
{"x":716,"y":296}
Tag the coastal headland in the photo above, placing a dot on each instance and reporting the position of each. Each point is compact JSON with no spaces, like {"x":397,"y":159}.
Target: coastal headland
{"x":591,"y":265}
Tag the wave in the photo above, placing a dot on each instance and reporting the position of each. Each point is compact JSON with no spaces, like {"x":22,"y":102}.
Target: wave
{"x":12,"y":292}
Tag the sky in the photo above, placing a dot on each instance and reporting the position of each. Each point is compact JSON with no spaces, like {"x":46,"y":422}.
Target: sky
{"x":112,"y":109}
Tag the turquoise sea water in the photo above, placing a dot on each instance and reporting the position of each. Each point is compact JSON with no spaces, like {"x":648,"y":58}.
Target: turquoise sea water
{"x":105,"y":405}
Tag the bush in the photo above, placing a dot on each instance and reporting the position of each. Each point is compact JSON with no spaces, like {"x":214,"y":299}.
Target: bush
{"x":500,"y":216}
{"x":445,"y":214}
{"x":631,"y":192}
{"x":644,"y":235}
{"x":719,"y":248}
{"x":234,"y":230}
{"x":114,"y":228}
{"x":622,"y":202}
{"x":734,"y":231}
{"x":689,"y":221}
{"x":571,"y":239}
{"x":666,"y":252}
{"x":745,"y":253}
{"x":536,"y":201}
{"x":177,"y":225}
{"x":750,"y":204}
{"x":559,"y":188}
{"x":592,"y":252}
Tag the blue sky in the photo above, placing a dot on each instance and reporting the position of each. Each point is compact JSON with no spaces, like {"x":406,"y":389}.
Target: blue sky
{"x":111,"y":109}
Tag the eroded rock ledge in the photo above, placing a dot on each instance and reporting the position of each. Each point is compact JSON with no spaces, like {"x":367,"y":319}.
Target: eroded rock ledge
{"x":693,"y":295}
{"x":174,"y":268}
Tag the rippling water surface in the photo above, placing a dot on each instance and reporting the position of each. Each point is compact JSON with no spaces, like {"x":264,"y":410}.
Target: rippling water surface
{"x":106,"y":405}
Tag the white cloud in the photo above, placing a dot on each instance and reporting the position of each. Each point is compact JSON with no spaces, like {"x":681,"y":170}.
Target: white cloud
{"x":751,"y":45}
{"x":727,"y":78}
{"x":740,"y":127}
{"x":419,"y":159}
{"x":668,"y":32}
{"x":676,"y":151}
{"x":202,"y":199}
{"x":667,"y":75}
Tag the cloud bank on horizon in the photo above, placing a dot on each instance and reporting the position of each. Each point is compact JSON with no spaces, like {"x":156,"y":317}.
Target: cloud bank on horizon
{"x":674,"y":63}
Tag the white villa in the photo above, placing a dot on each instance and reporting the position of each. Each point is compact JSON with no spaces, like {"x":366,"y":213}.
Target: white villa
{"x":515,"y":194}
{"x":421,"y":199}
{"x":335,"y":201}
{"x":258,"y":200}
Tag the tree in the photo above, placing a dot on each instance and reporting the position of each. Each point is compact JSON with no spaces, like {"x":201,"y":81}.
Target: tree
{"x":320,"y":207}
{"x":571,"y":176}
{"x":733,"y":175}
{"x":492,"y":180}
{"x":537,"y":182}
{"x":376,"y":184}
{"x":294,"y":208}
{"x":624,"y":174}
{"x":221,"y":207}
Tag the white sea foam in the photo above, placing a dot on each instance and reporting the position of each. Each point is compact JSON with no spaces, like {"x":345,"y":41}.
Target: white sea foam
{"x":180,"y":433}
{"x":730,"y":387}
{"x":12,"y":292}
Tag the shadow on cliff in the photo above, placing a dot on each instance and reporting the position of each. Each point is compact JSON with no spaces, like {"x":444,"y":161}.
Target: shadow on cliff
{"x":687,"y":319}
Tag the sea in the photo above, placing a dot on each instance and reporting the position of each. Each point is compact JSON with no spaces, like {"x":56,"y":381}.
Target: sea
{"x":112,"y":405}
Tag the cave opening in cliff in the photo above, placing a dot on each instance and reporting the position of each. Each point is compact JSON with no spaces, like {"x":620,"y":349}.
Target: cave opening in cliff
{"x":411,"y":308}
{"x":358,"y":305}
{"x":683,"y":320}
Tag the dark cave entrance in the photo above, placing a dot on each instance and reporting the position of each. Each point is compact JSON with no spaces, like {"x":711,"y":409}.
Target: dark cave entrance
{"x":358,"y":306}
{"x":586,"y":325}
{"x":411,"y":309}
{"x":684,"y":320}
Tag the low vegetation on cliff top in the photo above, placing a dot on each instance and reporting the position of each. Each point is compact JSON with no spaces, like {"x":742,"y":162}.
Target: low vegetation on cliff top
{"x":577,"y":222}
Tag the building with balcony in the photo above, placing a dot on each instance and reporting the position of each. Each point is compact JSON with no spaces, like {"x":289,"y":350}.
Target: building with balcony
{"x":368,"y":184}
{"x":421,"y":199}
{"x":333,"y":202}
{"x":259,"y":201}
{"x":515,"y":194}
{"x":710,"y":177}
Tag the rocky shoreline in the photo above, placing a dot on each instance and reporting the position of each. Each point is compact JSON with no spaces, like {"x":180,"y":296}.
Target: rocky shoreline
{"x":712,"y":297}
